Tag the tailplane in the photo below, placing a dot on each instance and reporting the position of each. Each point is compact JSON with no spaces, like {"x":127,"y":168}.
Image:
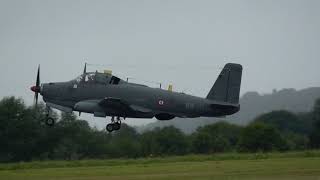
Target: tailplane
{"x":227,"y":86}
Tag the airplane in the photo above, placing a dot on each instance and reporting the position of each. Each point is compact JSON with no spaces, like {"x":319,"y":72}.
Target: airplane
{"x":105,"y":95}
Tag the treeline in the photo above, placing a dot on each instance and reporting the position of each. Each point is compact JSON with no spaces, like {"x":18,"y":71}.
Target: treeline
{"x":25,"y":137}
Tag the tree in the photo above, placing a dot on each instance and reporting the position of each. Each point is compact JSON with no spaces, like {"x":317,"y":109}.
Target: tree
{"x":315,"y":135}
{"x":125,"y":143}
{"x":218,"y":137}
{"x":201,"y":142}
{"x":261,"y":137}
{"x":70,"y":138}
{"x":166,"y":141}
{"x":293,"y":128}
{"x":296,"y":141}
{"x":19,"y":131}
{"x":284,"y":121}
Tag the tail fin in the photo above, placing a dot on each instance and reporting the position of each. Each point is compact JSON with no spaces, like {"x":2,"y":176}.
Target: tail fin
{"x":227,"y":86}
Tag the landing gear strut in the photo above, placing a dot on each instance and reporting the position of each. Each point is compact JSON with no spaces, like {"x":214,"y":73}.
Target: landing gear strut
{"x":115,"y":125}
{"x":49,"y":120}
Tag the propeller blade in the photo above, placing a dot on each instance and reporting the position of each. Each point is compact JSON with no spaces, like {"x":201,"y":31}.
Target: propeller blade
{"x":36,"y":97}
{"x":36,"y":89}
{"x":38,"y":77}
{"x":85,"y":68}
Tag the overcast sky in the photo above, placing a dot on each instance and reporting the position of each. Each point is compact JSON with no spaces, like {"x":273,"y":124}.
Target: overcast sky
{"x":182,"y":42}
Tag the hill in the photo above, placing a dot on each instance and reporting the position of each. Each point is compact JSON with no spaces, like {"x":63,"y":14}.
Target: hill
{"x":252,"y":105}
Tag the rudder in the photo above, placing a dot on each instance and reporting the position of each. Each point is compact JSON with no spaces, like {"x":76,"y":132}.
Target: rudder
{"x":227,"y":86}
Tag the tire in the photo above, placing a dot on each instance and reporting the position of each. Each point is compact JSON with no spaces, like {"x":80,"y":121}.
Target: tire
{"x":50,"y":121}
{"x":116,"y":126}
{"x":109,"y":127}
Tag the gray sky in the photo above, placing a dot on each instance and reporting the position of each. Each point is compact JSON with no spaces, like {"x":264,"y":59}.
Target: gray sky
{"x":171,"y":41}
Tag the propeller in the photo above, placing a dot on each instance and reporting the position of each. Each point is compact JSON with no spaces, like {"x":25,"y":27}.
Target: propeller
{"x":36,"y":89}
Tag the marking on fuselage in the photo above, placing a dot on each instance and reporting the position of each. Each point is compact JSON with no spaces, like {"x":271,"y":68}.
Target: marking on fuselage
{"x":190,"y":106}
{"x":161,"y":102}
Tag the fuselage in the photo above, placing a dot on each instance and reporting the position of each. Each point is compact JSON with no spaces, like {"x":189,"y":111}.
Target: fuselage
{"x":163,"y":103}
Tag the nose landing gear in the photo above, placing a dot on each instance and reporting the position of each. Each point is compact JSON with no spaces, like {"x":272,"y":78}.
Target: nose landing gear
{"x":49,"y":120}
{"x":115,"y":125}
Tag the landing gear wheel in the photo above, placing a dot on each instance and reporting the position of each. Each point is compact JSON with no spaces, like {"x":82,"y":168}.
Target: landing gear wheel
{"x":50,"y":121}
{"x":116,"y":126}
{"x":109,"y":127}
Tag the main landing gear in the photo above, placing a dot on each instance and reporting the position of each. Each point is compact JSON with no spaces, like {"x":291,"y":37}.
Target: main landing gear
{"x":115,"y":124}
{"x":49,"y":120}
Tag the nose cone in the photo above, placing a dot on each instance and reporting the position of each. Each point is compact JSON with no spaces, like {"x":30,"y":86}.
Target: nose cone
{"x":35,"y":88}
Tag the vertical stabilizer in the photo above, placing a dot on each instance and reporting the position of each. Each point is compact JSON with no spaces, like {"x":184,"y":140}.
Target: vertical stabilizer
{"x":227,"y":86}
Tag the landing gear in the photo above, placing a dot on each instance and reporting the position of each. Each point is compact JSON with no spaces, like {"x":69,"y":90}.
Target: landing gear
{"x":49,"y":120}
{"x":109,"y":127}
{"x":115,"y":125}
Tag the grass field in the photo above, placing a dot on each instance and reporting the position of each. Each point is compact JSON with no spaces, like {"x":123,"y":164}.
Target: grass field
{"x":287,"y":166}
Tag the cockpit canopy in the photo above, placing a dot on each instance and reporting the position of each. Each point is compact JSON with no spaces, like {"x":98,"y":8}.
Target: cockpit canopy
{"x":98,"y":78}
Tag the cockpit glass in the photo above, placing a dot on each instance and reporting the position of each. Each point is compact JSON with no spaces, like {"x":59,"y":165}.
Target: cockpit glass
{"x":99,"y":78}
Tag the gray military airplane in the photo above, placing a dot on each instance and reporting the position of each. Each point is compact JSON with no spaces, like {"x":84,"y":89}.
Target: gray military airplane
{"x":103,"y":94}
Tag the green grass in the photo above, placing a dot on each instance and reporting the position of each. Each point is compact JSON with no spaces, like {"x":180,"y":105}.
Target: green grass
{"x":296,"y":166}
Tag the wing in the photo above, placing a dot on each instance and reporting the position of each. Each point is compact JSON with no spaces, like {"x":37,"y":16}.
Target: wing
{"x":121,"y":105}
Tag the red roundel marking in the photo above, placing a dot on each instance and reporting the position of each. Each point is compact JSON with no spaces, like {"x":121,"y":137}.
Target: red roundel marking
{"x":161,"y":102}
